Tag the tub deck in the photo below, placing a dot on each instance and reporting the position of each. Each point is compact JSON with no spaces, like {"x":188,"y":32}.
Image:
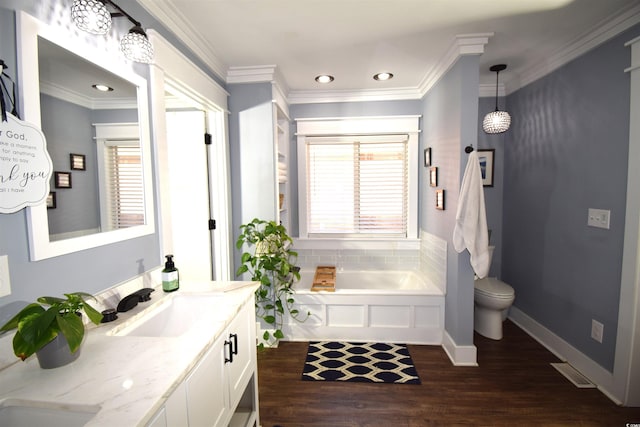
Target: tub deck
{"x":384,"y":306}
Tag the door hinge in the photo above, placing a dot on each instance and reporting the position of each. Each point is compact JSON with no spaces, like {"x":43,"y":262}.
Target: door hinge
{"x":212,"y":224}
{"x":207,"y":139}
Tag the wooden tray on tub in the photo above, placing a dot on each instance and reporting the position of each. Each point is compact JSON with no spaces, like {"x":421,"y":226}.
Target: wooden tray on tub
{"x":324,"y":279}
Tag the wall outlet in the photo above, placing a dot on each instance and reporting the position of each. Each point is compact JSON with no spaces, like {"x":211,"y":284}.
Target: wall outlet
{"x":5,"y":283}
{"x":597,"y":330}
{"x":599,"y":218}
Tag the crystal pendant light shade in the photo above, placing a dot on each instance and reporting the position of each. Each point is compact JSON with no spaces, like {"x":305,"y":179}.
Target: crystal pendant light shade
{"x":496,"y":122}
{"x":136,"y":46}
{"x":91,"y":16}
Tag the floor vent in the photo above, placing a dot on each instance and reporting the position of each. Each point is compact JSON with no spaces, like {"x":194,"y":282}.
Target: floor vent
{"x":572,"y":375}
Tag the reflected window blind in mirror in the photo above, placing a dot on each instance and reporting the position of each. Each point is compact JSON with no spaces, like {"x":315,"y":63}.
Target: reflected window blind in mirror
{"x":125,"y":189}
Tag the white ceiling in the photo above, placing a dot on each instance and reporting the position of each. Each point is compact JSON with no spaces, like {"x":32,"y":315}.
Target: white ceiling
{"x":354,"y":39}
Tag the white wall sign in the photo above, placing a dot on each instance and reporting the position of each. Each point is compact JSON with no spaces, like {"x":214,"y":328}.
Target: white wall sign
{"x":25,"y":165}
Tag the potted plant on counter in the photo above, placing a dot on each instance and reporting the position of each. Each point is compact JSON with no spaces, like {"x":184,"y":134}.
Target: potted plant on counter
{"x":272,"y":264}
{"x":55,"y":332}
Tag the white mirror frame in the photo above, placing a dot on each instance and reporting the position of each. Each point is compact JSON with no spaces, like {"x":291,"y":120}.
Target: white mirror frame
{"x":28,"y":29}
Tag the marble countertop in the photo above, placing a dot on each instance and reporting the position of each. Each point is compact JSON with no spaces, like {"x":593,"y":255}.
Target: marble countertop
{"x":129,"y":378}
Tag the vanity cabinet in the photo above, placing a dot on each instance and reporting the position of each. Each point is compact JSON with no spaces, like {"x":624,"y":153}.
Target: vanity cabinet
{"x":221,"y":390}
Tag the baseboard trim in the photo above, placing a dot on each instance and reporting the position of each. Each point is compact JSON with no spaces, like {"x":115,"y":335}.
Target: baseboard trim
{"x":460,"y":355}
{"x":564,"y":351}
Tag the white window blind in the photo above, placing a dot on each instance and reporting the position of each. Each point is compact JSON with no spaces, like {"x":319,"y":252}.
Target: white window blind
{"x":126,"y":187}
{"x":357,"y":186}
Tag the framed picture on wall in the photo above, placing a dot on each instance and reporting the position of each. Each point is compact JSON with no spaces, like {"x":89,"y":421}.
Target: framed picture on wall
{"x":62,"y":179}
{"x":78,"y":162}
{"x":433,"y":176}
{"x":51,"y":200}
{"x":427,"y":157}
{"x":486,"y":158}
{"x":440,"y":200}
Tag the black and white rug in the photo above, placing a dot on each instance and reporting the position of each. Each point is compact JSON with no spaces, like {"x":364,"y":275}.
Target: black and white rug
{"x":363,"y":362}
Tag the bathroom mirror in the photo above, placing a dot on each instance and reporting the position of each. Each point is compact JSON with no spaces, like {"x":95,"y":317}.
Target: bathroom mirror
{"x":93,"y":138}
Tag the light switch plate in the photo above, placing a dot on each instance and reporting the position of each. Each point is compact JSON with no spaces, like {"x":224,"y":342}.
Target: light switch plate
{"x":5,"y":283}
{"x":599,"y":218}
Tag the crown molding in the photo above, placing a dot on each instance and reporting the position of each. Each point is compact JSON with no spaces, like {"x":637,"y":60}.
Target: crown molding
{"x":489,"y":90}
{"x":315,"y":97}
{"x":172,"y":18}
{"x":251,"y":74}
{"x":464,"y":44}
{"x":64,"y":94}
{"x":602,"y":32}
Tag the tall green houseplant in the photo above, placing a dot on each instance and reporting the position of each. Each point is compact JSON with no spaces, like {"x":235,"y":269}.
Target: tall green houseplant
{"x":270,"y":260}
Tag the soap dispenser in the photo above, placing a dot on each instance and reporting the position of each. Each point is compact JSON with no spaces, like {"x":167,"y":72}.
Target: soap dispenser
{"x":170,"y":277}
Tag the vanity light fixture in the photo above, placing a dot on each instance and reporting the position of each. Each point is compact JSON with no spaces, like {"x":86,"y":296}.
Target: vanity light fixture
{"x":102,"y":88}
{"x":382,"y":76}
{"x":497,"y":121}
{"x":92,"y":16}
{"x":324,"y":78}
{"x":136,"y":46}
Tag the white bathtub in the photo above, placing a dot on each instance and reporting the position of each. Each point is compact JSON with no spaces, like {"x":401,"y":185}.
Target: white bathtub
{"x":388,"y":306}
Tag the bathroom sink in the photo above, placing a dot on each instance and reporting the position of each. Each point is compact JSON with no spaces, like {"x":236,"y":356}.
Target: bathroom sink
{"x":27,"y":413}
{"x":174,"y":317}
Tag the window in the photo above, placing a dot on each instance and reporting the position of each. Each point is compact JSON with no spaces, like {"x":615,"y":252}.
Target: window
{"x":357,"y":177}
{"x":125,"y":188}
{"x":357,"y":186}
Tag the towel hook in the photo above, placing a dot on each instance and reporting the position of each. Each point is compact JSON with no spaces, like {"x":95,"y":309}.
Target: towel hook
{"x":468,"y":149}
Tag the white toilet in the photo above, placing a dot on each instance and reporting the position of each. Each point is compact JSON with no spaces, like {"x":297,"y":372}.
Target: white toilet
{"x":492,"y":299}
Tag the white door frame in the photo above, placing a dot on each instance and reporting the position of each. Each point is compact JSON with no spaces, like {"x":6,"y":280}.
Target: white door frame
{"x":626,"y":369}
{"x":172,"y":68}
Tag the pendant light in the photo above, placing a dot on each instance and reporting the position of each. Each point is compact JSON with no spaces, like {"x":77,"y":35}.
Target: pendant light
{"x":497,"y":121}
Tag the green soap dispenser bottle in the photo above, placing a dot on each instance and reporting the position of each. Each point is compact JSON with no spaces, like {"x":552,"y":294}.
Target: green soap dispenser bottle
{"x":170,"y":276}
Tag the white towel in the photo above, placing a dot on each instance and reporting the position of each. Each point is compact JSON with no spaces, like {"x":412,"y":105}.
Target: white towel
{"x":470,"y":231}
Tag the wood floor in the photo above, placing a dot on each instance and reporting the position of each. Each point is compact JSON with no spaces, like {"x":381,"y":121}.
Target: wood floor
{"x":514,"y":385}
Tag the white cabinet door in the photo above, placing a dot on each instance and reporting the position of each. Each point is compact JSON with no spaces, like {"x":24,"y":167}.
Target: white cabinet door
{"x":207,"y":402}
{"x":241,"y":331}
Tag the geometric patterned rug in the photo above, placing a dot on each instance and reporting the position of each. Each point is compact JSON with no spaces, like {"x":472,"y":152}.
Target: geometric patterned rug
{"x":359,"y":362}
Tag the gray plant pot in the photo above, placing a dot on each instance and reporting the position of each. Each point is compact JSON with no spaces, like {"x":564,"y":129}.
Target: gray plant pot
{"x":56,"y":353}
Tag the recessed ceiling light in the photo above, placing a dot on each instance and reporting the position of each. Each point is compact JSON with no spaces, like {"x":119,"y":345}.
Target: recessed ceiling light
{"x":102,"y":88}
{"x":324,"y":78}
{"x":383,"y":76}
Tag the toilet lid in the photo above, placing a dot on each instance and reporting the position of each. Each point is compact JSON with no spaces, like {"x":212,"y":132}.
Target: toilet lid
{"x":494,"y":287}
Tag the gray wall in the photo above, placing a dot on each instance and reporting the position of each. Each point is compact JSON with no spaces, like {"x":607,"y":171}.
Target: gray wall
{"x":566,"y":152}
{"x":90,"y":270}
{"x":493,"y":195}
{"x":450,"y":116}
{"x":68,"y":130}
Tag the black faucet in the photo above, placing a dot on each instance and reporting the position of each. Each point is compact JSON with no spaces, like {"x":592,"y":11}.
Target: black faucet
{"x":130,"y":301}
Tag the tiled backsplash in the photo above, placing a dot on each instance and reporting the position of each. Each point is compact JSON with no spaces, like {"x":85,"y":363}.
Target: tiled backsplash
{"x":359,"y":259}
{"x":433,"y":259}
{"x":430,"y":259}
